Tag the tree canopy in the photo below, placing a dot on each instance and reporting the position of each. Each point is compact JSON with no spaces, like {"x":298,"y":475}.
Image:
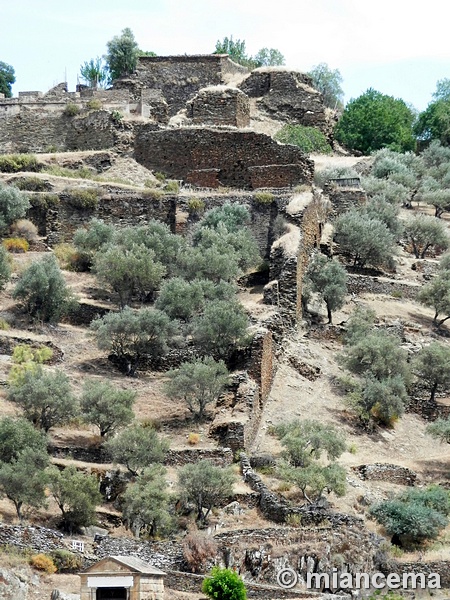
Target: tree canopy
{"x":7,"y":78}
{"x":375,"y":120}
{"x":328,"y":82}
{"x":122,"y":54}
{"x":266,"y":57}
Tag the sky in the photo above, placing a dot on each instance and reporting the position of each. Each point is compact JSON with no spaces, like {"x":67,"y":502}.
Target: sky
{"x":398,"y":47}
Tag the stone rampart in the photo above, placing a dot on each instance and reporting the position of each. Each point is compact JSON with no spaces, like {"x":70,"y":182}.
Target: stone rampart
{"x":180,"y":152}
{"x":178,"y":77}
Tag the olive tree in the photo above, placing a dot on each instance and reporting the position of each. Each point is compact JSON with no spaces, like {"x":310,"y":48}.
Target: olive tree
{"x":146,"y":503}
{"x":45,"y":397}
{"x":431,"y":366}
{"x":137,"y":447}
{"x":425,"y":232}
{"x":367,"y":241}
{"x":328,"y":278}
{"x":436,"y":295}
{"x":23,"y":460}
{"x":205,"y":485}
{"x":198,"y":383}
{"x":106,"y":406}
{"x":132,"y":336}
{"x":76,"y":495}
{"x":43,"y":290}
{"x":13,"y":205}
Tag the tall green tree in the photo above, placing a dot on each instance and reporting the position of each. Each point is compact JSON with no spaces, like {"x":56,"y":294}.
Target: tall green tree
{"x":122,"y":54}
{"x":7,"y":78}
{"x":431,"y":365}
{"x":146,"y":503}
{"x":95,"y":73}
{"x":328,"y":82}
{"x":434,"y":122}
{"x":269,"y":57}
{"x":235,"y":50}
{"x":23,"y":460}
{"x":436,"y":295}
{"x":373,"y":121}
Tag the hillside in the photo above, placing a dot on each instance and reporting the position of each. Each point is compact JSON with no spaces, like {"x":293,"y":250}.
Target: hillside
{"x":283,"y":361}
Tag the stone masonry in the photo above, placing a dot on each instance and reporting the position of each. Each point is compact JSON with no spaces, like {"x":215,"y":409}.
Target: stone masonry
{"x":181,"y":152}
{"x":219,"y":105}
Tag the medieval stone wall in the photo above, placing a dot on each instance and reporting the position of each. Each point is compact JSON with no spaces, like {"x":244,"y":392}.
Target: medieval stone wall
{"x":39,"y":130}
{"x":219,"y":105}
{"x":179,"y":152}
{"x":288,"y":96}
{"x":117,"y":206}
{"x":178,"y":77}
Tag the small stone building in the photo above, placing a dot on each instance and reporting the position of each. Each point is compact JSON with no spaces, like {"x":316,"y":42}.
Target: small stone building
{"x":219,"y":105}
{"x":122,"y":578}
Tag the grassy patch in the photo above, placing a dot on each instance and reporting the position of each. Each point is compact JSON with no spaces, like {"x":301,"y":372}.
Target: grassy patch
{"x":32,"y":184}
{"x":264,"y":197}
{"x":13,"y":163}
{"x":308,"y":139}
{"x":83,"y":198}
{"x":16,"y":245}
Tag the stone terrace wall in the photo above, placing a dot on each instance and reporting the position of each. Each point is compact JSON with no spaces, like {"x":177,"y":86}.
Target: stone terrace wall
{"x":362,"y":284}
{"x":38,"y":130}
{"x":180,"y":152}
{"x":179,"y":77}
{"x":120,"y":207}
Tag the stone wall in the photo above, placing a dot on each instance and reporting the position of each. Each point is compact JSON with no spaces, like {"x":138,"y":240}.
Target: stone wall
{"x":180,"y":152}
{"x":363,"y":284}
{"x":41,"y":129}
{"x":387,"y":472}
{"x":290,"y":254}
{"x":288,"y":95}
{"x":178,"y":77}
{"x":219,"y":105}
{"x":118,"y":206}
{"x":343,"y":199}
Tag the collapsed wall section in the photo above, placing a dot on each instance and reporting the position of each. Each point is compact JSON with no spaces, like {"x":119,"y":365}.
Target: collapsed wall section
{"x":180,"y":153}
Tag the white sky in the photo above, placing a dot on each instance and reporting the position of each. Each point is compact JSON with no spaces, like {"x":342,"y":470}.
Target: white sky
{"x":398,"y":47}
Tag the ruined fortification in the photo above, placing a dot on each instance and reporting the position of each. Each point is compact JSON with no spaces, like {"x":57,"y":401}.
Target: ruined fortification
{"x":214,"y":145}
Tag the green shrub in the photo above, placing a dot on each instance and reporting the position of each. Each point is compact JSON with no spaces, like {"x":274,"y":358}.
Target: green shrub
{"x":264,"y":197}
{"x":172,"y":187}
{"x":94,"y":104}
{"x":196,"y":205}
{"x":83,"y":198}
{"x":16,"y":245}
{"x":224,"y":584}
{"x":160,"y":176}
{"x":308,"y":139}
{"x":66,"y":562}
{"x":116,"y":116}
{"x":44,"y":201}
{"x":71,"y":109}
{"x":4,"y":325}
{"x":152,"y":193}
{"x":13,"y":163}
{"x":32,"y":184}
